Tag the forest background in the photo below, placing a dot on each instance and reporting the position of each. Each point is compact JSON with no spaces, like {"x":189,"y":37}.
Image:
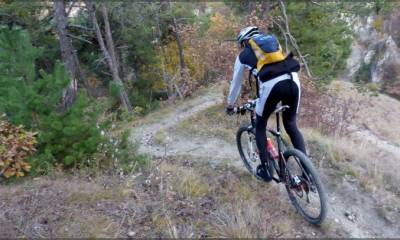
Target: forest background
{"x":71,"y":72}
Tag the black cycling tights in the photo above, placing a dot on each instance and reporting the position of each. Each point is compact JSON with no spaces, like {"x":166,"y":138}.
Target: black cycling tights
{"x":287,"y":92}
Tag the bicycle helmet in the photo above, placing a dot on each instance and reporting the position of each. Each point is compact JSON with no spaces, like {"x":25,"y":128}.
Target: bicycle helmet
{"x":246,"y":33}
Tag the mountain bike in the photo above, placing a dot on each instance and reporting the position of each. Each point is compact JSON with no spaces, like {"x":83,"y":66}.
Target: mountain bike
{"x":290,"y":166}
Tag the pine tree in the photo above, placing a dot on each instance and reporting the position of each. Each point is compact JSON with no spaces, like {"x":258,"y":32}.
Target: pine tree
{"x":32,"y":97}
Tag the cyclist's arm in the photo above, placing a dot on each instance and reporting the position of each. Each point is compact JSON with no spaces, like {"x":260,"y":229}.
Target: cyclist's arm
{"x":236,"y":83}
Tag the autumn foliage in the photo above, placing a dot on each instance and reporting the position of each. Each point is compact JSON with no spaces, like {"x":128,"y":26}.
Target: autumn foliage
{"x":210,"y":55}
{"x":16,"y":145}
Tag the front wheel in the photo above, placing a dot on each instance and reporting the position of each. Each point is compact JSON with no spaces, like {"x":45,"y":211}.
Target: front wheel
{"x":304,"y":187}
{"x":246,"y":143}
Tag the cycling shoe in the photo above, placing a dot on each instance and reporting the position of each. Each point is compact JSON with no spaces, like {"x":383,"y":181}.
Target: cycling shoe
{"x":262,"y":173}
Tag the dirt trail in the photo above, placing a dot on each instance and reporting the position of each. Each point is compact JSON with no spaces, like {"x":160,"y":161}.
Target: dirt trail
{"x":175,"y":144}
{"x":345,"y":198}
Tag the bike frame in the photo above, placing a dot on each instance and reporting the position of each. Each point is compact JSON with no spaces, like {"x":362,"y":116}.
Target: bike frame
{"x":278,"y":139}
{"x":277,"y":135}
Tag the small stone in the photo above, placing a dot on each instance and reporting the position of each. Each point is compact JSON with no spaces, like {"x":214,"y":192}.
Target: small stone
{"x":313,"y":233}
{"x":213,"y":164}
{"x":131,"y":234}
{"x":146,"y":228}
{"x":336,"y":220}
{"x":350,"y":216}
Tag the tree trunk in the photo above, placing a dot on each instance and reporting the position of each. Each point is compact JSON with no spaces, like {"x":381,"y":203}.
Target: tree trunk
{"x":109,"y":40}
{"x":111,"y":59}
{"x":182,"y":63}
{"x":68,"y":55}
{"x":166,"y":79}
{"x":180,"y":45}
{"x":164,"y":7}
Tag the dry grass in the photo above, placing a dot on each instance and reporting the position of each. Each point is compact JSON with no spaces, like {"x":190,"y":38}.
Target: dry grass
{"x":241,"y":220}
{"x":377,"y":112}
{"x":86,"y":194}
{"x":358,"y":160}
{"x":161,"y":137}
{"x":334,"y":150}
{"x":181,"y":181}
{"x":60,"y":208}
{"x":341,"y":157}
{"x":92,"y":226}
{"x":180,"y":197}
{"x":211,"y":122}
{"x":189,"y":184}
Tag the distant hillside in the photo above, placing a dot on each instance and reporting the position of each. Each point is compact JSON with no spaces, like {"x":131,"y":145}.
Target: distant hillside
{"x":375,"y":56}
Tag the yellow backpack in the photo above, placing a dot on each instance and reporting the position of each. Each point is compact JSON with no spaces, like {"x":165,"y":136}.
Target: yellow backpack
{"x":267,"y":50}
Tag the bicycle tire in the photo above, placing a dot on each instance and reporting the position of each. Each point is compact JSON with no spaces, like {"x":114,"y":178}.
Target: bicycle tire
{"x":244,"y":128}
{"x":312,"y":173}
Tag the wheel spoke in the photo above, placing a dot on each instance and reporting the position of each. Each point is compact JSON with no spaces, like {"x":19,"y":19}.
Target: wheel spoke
{"x":248,"y":149}
{"x":299,"y":175}
{"x":306,"y":197}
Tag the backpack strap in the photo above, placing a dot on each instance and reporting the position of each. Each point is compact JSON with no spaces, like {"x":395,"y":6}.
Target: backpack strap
{"x":257,"y":87}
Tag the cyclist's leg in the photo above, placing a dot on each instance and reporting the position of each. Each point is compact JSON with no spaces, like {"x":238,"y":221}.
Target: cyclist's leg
{"x":289,"y":119}
{"x":261,"y":121}
{"x":261,"y":136}
{"x":289,"y":116}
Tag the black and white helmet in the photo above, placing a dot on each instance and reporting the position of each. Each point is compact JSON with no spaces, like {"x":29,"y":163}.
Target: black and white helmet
{"x":246,"y":33}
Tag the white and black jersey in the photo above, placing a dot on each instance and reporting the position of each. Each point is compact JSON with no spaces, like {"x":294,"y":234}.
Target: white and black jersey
{"x":267,"y":77}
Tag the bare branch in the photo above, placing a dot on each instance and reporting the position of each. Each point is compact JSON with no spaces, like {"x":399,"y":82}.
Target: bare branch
{"x":79,"y":38}
{"x":80,"y":27}
{"x":292,"y":39}
{"x":283,"y":33}
{"x":316,"y":3}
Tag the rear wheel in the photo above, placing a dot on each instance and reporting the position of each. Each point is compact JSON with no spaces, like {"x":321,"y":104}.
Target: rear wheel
{"x":304,"y":187}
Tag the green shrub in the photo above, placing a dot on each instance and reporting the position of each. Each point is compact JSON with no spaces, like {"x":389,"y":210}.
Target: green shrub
{"x":127,"y":155}
{"x":321,"y":35}
{"x":31,"y":98}
{"x":117,"y":152}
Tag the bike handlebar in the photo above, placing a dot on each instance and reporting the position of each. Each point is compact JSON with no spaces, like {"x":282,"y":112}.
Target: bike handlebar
{"x":249,"y":106}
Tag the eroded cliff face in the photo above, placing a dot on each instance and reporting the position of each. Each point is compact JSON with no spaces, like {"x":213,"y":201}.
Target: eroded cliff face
{"x":375,"y":53}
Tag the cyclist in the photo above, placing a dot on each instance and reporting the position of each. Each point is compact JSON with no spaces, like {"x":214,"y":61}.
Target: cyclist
{"x":277,"y":80}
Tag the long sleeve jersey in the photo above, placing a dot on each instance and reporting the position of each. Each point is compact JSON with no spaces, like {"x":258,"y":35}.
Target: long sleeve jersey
{"x":246,"y":59}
